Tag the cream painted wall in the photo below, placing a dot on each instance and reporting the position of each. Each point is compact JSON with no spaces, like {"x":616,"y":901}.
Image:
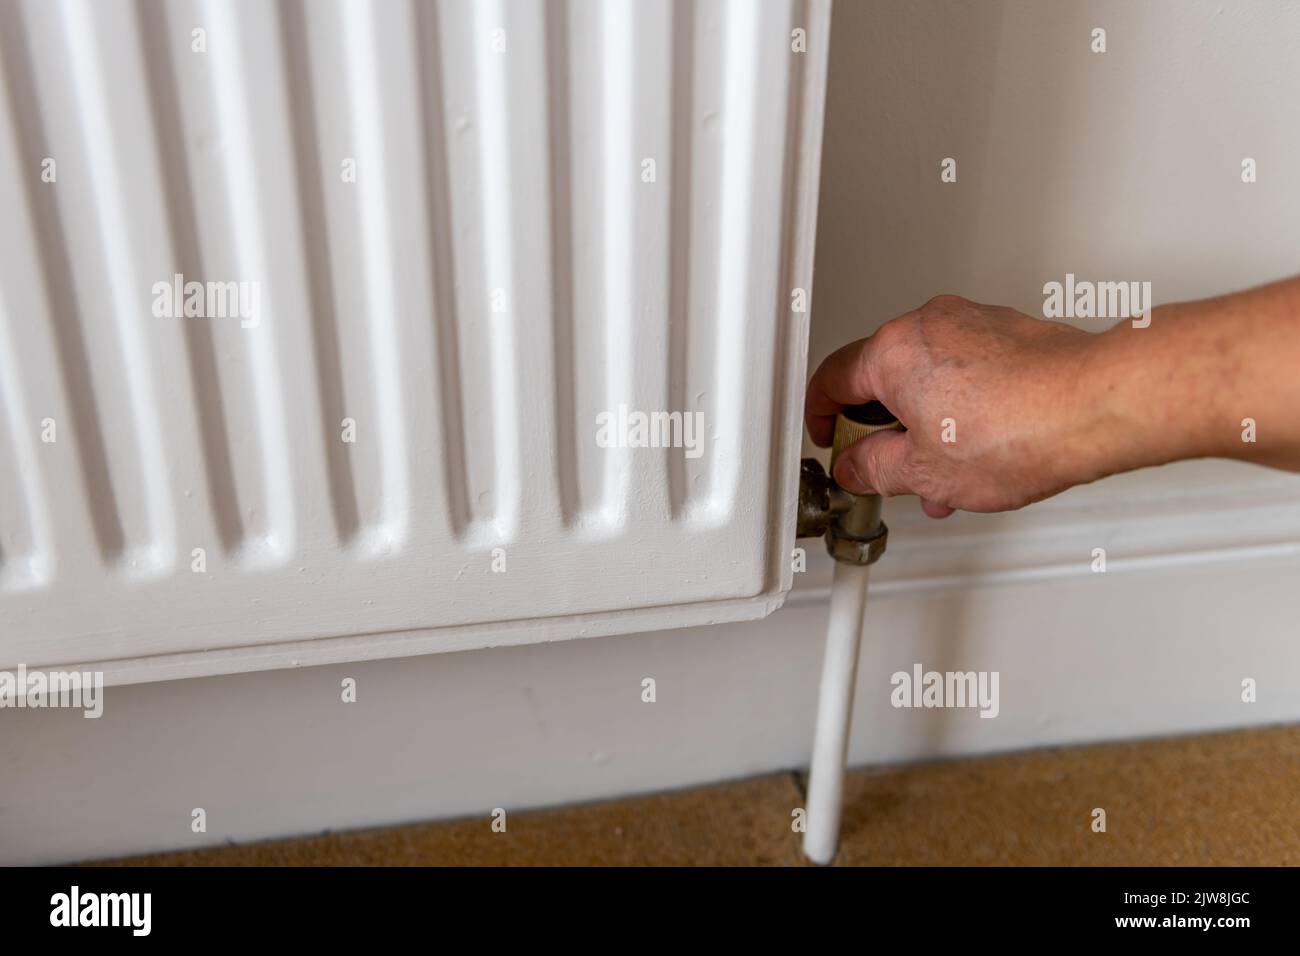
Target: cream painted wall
{"x":1117,"y":166}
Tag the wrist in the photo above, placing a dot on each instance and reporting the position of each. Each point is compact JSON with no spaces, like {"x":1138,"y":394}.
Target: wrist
{"x":1154,"y":391}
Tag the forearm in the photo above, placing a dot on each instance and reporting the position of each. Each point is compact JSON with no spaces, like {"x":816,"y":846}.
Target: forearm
{"x":1191,"y":384}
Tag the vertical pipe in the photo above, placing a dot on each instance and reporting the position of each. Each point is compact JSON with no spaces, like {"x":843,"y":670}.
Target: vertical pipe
{"x":856,"y":540}
{"x":835,"y":711}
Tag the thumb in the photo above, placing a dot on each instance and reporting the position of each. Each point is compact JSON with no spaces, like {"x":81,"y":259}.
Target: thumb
{"x":876,"y":463}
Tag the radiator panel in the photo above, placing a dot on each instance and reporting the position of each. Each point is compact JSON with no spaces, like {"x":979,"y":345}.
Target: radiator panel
{"x":433,"y":243}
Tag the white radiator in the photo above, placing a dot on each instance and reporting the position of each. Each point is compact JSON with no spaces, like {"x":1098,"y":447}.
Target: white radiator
{"x":441,"y":255}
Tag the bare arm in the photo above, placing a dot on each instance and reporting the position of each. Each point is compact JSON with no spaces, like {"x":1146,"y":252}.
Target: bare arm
{"x":1003,"y":409}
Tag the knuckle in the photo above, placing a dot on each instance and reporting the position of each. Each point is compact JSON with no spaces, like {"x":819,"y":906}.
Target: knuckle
{"x":895,"y":332}
{"x":872,"y":476}
{"x":946,"y":301}
{"x":887,"y":333}
{"x":880,"y":473}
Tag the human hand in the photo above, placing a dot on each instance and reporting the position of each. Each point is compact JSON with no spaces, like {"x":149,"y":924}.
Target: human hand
{"x":989,"y":396}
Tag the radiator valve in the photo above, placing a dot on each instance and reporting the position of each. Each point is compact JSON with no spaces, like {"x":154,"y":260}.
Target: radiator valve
{"x":850,"y":523}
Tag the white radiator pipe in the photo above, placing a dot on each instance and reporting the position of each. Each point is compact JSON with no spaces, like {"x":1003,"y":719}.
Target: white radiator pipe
{"x":835,"y":712}
{"x":856,"y":540}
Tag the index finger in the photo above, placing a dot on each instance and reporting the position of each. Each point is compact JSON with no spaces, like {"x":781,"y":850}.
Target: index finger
{"x":841,"y":380}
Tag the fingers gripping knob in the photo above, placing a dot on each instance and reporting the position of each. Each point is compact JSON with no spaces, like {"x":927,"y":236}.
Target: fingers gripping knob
{"x":859,"y":421}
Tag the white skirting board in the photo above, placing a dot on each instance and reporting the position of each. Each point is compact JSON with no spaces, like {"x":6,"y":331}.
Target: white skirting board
{"x":1150,"y":647}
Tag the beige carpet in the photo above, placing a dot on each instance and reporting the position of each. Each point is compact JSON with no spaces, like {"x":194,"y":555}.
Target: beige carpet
{"x":1230,"y":798}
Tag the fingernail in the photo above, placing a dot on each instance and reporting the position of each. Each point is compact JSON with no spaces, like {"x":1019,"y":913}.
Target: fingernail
{"x":846,"y":475}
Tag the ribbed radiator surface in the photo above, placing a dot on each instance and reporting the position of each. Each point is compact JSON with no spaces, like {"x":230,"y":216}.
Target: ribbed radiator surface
{"x":328,"y":329}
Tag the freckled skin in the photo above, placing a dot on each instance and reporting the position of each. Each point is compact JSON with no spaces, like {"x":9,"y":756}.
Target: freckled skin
{"x":1041,"y":406}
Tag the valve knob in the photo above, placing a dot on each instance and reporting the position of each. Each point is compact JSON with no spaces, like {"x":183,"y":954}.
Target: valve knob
{"x":859,"y":421}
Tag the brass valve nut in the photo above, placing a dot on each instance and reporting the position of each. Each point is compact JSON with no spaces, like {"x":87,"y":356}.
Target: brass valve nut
{"x":857,"y":550}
